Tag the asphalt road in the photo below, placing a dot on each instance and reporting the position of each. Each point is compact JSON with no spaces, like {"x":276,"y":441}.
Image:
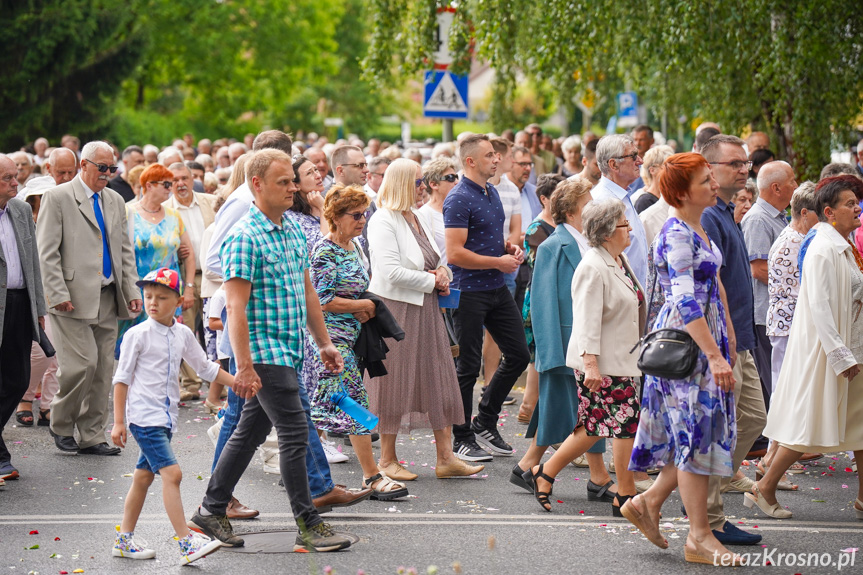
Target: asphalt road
{"x":474,"y":525}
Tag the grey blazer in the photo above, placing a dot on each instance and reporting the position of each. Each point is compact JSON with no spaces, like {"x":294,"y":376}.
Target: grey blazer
{"x":70,"y":245}
{"x":25,"y":238}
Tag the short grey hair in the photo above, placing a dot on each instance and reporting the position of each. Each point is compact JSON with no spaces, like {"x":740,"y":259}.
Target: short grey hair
{"x":860,"y":146}
{"x":205,"y":160}
{"x":377,"y":162}
{"x":570,"y":143}
{"x":610,"y":147}
{"x":599,"y":219}
{"x":150,"y":148}
{"x":167,"y":153}
{"x":803,"y":199}
{"x":88,"y":152}
{"x":180,"y":166}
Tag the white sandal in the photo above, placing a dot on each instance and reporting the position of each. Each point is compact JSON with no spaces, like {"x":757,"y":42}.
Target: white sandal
{"x":386,"y":489}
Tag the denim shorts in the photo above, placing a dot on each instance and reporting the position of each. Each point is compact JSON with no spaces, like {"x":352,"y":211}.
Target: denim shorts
{"x":155,"y":446}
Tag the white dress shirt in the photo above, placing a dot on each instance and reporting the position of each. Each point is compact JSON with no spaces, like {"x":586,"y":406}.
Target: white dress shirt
{"x":110,"y":279}
{"x":150,"y":365}
{"x":193,"y":220}
{"x":583,"y":245}
{"x":637,"y":250}
{"x":14,"y":271}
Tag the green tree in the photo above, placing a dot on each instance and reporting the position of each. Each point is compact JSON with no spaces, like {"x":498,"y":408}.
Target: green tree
{"x":792,"y":68}
{"x":63,"y":58}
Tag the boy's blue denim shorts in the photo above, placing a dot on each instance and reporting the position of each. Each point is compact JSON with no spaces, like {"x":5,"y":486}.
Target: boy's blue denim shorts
{"x":155,"y":446}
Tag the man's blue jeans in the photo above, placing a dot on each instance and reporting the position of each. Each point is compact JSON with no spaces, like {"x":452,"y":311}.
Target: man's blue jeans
{"x":320,"y":481}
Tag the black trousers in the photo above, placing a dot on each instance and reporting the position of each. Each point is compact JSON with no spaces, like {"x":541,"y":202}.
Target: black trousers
{"x":278,"y":405}
{"x":14,"y":357}
{"x":496,"y":310}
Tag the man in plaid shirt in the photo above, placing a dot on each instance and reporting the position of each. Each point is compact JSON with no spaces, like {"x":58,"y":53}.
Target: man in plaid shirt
{"x":270,"y":299}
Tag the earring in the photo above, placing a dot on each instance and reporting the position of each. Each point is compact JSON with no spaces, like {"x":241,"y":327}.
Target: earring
{"x":834,"y":224}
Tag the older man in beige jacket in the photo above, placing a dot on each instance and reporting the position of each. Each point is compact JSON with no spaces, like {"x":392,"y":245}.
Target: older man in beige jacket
{"x":89,"y":275}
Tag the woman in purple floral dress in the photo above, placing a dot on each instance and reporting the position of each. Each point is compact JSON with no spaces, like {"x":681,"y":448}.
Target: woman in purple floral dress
{"x":687,"y":426}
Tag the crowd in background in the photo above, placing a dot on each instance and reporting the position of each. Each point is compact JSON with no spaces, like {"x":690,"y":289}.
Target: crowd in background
{"x":438,"y":266}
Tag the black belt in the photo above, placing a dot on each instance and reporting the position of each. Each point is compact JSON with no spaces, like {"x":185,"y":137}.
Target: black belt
{"x":19,"y":291}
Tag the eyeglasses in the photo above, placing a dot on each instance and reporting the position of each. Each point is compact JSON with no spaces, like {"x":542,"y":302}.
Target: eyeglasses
{"x":450,"y":178}
{"x":633,"y":156}
{"x":524,"y":164}
{"x":361,"y":166}
{"x":103,"y":168}
{"x":376,"y":174}
{"x":736,"y":164}
{"x":357,"y":215}
{"x":625,"y":224}
{"x":166,"y":184}
{"x":419,"y":182}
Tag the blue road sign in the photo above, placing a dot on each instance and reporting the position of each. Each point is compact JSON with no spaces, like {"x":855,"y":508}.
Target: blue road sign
{"x":445,"y":95}
{"x":627,"y":109}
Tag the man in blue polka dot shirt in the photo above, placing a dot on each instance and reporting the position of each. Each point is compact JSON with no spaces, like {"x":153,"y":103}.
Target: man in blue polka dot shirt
{"x":479,"y":257}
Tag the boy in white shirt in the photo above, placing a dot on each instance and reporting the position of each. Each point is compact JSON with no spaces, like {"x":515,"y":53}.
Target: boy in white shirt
{"x":146,"y":396}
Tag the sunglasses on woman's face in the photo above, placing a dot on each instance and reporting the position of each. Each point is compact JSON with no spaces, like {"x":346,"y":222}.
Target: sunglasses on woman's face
{"x":167,"y":185}
{"x":357,"y":215}
{"x":451,"y":178}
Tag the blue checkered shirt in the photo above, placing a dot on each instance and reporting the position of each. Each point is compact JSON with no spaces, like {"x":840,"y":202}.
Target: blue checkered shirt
{"x":273,"y":258}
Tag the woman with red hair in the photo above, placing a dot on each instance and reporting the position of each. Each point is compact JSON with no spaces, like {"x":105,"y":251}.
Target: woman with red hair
{"x":687,"y":426}
{"x":158,"y":236}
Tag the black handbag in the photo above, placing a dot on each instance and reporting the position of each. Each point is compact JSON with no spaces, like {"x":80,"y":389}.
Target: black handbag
{"x":45,"y":343}
{"x":668,"y":352}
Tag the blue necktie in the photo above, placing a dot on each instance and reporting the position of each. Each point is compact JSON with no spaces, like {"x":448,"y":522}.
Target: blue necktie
{"x":106,"y":253}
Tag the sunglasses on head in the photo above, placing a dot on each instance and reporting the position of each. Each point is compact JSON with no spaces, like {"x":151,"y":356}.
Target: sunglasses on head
{"x":103,"y":168}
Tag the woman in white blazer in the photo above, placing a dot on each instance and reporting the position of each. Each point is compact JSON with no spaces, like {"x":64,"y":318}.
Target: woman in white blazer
{"x":420,"y":390}
{"x":608,"y":313}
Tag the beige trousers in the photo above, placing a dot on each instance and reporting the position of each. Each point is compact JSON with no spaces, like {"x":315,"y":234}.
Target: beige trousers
{"x":189,"y":380}
{"x":751,"y":419}
{"x":85,"y":354}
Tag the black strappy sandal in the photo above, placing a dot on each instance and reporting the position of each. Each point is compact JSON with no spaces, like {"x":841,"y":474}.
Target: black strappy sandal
{"x":620,"y":500}
{"x":541,"y":496}
{"x":597,"y":492}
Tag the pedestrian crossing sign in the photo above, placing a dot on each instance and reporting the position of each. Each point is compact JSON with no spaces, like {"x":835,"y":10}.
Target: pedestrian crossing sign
{"x":445,"y":95}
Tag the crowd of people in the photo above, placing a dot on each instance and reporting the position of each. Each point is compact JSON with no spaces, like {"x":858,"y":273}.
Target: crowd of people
{"x":350,"y":290}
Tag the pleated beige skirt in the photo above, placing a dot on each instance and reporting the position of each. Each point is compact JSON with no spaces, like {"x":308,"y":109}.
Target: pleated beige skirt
{"x":420,"y":390}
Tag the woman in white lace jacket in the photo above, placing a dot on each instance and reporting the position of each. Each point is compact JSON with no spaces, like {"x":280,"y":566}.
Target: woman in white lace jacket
{"x":817,"y":404}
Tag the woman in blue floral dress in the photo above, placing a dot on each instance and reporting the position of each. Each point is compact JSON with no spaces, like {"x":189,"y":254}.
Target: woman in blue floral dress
{"x":340,"y":278}
{"x":687,"y":426}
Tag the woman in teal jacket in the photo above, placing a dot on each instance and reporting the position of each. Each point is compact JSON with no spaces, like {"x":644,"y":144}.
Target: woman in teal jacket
{"x":556,"y":413}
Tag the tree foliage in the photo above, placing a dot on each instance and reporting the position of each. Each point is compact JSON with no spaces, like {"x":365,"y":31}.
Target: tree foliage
{"x":129,"y":70}
{"x":791,"y":68}
{"x":62,"y":63}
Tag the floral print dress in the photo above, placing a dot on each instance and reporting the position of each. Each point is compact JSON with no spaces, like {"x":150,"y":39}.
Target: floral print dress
{"x":311,"y":227}
{"x":689,"y":423}
{"x":337,"y":272}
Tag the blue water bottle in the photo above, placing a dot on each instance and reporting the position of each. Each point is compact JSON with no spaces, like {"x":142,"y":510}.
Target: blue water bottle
{"x":356,"y":411}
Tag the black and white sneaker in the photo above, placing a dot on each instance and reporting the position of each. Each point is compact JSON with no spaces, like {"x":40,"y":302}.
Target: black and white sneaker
{"x":490,"y":440}
{"x":470,"y":451}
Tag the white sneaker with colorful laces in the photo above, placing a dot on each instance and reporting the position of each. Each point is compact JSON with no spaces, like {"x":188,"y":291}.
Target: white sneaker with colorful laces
{"x":125,"y":546}
{"x":195,"y":546}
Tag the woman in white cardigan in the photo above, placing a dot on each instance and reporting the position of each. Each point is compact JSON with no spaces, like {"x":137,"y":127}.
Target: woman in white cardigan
{"x":818,"y":401}
{"x":608,"y":314}
{"x":420,"y":390}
